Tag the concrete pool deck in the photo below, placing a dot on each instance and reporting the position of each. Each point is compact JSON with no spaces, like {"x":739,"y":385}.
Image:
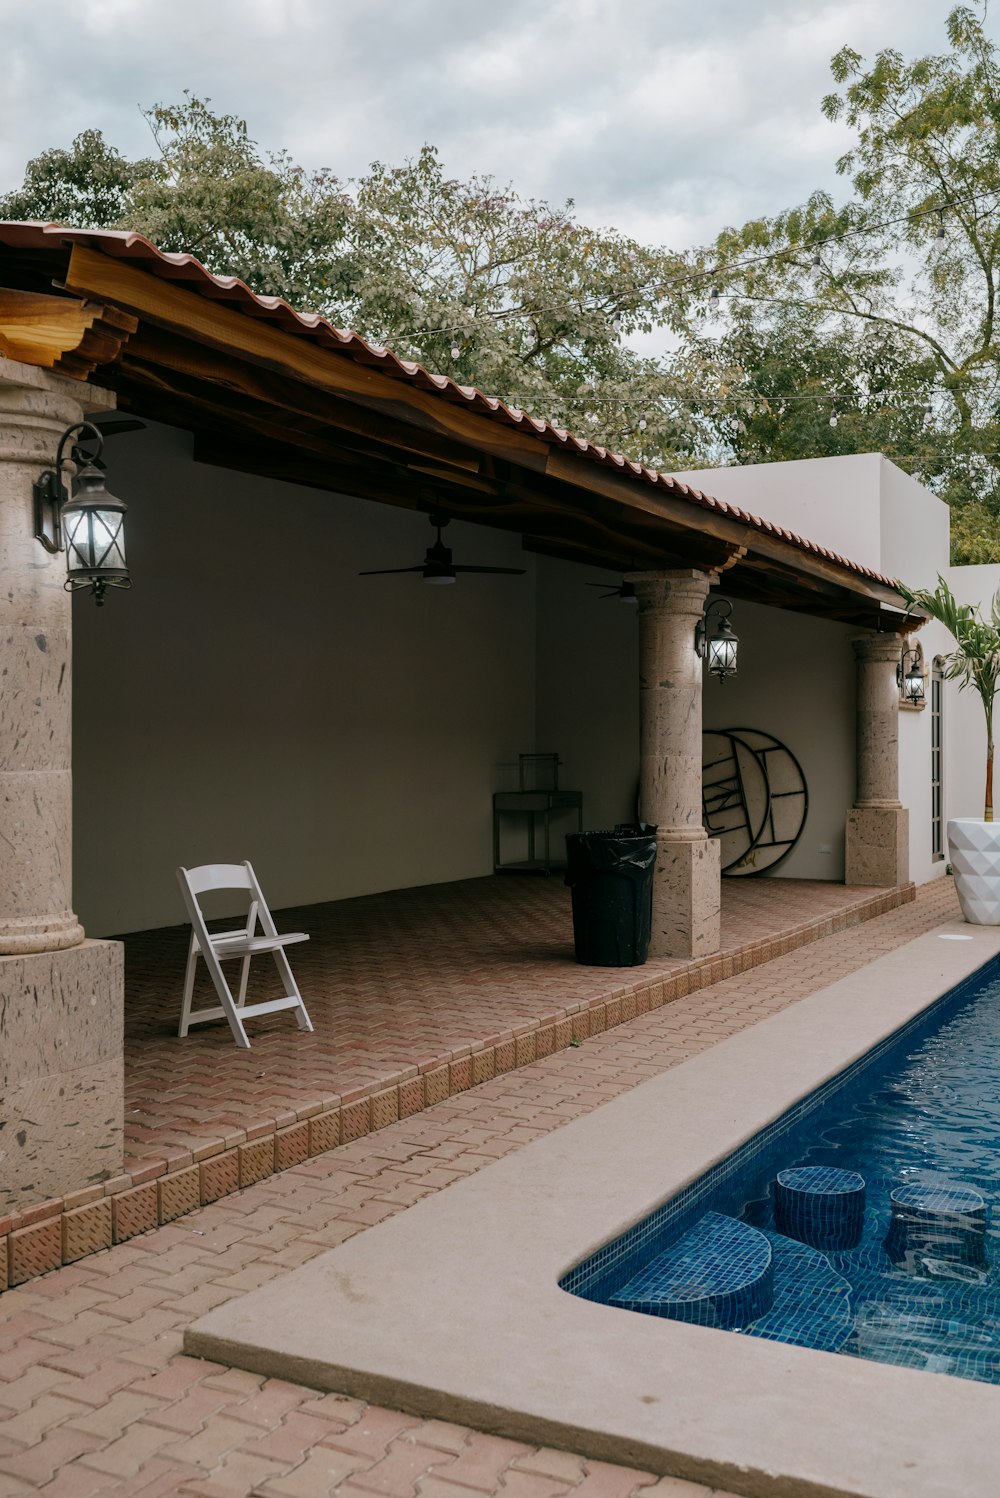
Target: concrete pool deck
{"x":492,"y":1340}
{"x":97,"y":1397}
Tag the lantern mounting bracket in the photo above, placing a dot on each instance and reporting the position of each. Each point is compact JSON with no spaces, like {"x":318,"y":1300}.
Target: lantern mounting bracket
{"x":49,"y":492}
{"x":721,"y":648}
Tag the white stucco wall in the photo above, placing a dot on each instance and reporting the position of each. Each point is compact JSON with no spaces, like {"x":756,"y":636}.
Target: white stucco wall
{"x":834,"y":501}
{"x":588,"y":705}
{"x":251,"y":697}
{"x":588,"y":688}
{"x":965,"y":727}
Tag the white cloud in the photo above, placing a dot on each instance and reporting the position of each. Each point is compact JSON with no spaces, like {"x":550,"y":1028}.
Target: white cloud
{"x":665,"y":118}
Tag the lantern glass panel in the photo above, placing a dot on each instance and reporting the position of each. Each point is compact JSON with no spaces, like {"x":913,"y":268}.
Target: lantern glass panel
{"x":914,"y":685}
{"x":95,"y":540}
{"x":722,"y":654}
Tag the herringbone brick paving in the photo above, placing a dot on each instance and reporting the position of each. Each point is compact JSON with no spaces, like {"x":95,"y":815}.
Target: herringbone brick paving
{"x":396,"y":984}
{"x":97,"y":1400}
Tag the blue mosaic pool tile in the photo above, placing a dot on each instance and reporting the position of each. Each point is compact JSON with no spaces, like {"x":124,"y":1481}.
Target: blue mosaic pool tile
{"x":812,"y":1302}
{"x":820,"y":1205}
{"x":942,"y":1316}
{"x":938,"y":1229}
{"x":719,"y":1274}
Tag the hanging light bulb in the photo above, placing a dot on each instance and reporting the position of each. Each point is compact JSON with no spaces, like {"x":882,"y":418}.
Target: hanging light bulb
{"x":713,"y":295}
{"x":816,"y":268}
{"x":834,"y":418}
{"x":642,"y":423}
{"x":735,"y":424}
{"x":456,"y":352}
{"x":928,"y":414}
{"x":940,"y":236}
{"x":616,"y":324}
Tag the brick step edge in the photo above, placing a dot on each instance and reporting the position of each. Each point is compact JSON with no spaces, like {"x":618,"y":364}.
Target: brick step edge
{"x":63,"y":1230}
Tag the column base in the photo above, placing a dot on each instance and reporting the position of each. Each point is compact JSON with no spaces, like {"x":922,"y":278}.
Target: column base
{"x":61,"y":1071}
{"x":18,"y":938}
{"x":687,"y":899}
{"x":877,"y":850}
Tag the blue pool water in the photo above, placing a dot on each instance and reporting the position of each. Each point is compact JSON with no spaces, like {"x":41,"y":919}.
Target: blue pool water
{"x":922,"y":1111}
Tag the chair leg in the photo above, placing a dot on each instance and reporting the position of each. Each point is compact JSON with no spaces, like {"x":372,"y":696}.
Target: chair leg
{"x":189,"y":973}
{"x":292,"y":990}
{"x":244,"y":975}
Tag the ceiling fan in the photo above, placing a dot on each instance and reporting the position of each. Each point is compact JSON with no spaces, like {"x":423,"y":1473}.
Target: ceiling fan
{"x":437,"y":566}
{"x":625,"y":592}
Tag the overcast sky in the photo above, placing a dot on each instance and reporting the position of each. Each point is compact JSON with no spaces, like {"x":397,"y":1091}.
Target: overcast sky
{"x":665,"y":118}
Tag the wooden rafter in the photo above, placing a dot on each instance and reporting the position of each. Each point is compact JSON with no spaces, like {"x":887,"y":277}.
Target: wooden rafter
{"x":64,"y":334}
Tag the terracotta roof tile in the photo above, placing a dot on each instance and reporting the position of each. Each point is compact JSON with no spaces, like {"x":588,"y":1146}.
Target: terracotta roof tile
{"x":172,"y":266}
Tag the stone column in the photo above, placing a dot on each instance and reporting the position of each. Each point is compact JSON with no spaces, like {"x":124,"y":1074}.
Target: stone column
{"x":878,"y":840}
{"x":686,"y":884}
{"x":60,"y":996}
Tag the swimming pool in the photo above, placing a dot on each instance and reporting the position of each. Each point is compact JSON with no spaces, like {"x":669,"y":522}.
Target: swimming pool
{"x":918,"y":1117}
{"x":453,"y":1309}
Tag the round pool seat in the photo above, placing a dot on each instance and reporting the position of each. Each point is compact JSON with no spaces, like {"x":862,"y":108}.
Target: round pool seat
{"x":720,"y":1273}
{"x":936,"y":1225}
{"x":820,"y":1206}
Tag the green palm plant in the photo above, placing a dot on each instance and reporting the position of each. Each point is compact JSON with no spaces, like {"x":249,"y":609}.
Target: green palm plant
{"x":976,"y":660}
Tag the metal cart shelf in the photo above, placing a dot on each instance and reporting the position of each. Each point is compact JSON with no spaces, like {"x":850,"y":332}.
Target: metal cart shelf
{"x":533,"y":804}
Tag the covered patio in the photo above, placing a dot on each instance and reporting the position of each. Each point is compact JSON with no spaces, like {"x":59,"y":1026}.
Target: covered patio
{"x":415,"y":994}
{"x":254,"y":697}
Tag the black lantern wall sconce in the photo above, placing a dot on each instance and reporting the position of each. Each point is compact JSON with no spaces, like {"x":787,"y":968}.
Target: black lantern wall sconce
{"x":89,"y":527}
{"x":910,"y":678}
{"x":721,"y":647}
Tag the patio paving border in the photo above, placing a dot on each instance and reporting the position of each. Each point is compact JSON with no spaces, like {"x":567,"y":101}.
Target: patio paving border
{"x":157,"y":1189}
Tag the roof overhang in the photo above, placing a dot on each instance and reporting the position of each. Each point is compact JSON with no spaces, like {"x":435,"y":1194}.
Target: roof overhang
{"x":268,"y":391}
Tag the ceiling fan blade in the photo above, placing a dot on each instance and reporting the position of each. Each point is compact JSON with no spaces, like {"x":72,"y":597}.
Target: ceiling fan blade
{"x":510,"y":571}
{"x":129,"y":424}
{"x":384,"y":571}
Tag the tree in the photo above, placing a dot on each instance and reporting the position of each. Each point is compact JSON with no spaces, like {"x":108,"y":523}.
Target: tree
{"x":910,"y":258}
{"x":976,"y":660}
{"x":511,"y":294}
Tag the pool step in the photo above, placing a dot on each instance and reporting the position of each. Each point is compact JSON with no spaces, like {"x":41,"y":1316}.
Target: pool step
{"x":720,"y":1273}
{"x":820,"y":1206}
{"x":812,"y":1302}
{"x":938,"y":1230}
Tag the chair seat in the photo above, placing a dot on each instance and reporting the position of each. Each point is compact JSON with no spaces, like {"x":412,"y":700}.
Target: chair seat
{"x":243,"y":945}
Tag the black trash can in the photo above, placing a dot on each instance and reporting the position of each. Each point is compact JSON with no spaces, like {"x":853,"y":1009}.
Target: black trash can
{"x":610,"y":875}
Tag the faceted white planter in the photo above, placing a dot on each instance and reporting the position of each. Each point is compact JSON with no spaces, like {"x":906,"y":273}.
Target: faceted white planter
{"x":974,"y":849}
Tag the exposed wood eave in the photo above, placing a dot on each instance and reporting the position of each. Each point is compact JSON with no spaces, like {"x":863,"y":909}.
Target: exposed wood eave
{"x":265,"y":399}
{"x":64,"y":334}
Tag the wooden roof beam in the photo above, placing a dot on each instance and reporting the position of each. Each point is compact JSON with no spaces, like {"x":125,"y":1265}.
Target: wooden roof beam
{"x":64,"y":334}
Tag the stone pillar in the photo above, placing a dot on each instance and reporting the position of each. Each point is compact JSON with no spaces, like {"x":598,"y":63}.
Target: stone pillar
{"x":60,"y":996}
{"x":686,"y":884}
{"x":878,"y":835}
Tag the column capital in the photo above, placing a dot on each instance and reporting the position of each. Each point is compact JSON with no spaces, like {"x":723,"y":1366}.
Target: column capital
{"x":877,"y":647}
{"x":37,"y":406}
{"x":678,"y":591}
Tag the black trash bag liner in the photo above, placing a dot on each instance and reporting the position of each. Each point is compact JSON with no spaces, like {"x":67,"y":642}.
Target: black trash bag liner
{"x":610,"y":875}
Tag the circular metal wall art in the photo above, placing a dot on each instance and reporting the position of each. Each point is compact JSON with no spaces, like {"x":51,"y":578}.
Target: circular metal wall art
{"x":754,"y":798}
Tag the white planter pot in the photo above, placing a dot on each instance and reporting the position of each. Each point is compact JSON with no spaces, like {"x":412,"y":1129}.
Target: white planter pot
{"x":974,"y":849}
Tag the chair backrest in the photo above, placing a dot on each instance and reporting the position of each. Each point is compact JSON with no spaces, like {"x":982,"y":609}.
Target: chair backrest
{"x":217,"y":876}
{"x":214,"y":876}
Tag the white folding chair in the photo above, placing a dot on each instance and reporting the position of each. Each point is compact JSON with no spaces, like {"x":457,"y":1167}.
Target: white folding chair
{"x":245,"y":943}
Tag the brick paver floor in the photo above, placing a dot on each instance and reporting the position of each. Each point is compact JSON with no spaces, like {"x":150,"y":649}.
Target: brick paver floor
{"x":96,"y":1397}
{"x":395,"y":983}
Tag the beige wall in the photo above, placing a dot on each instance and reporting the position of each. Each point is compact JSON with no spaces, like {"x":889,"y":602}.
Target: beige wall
{"x":588,"y":688}
{"x":251,"y":697}
{"x":588,"y":705}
